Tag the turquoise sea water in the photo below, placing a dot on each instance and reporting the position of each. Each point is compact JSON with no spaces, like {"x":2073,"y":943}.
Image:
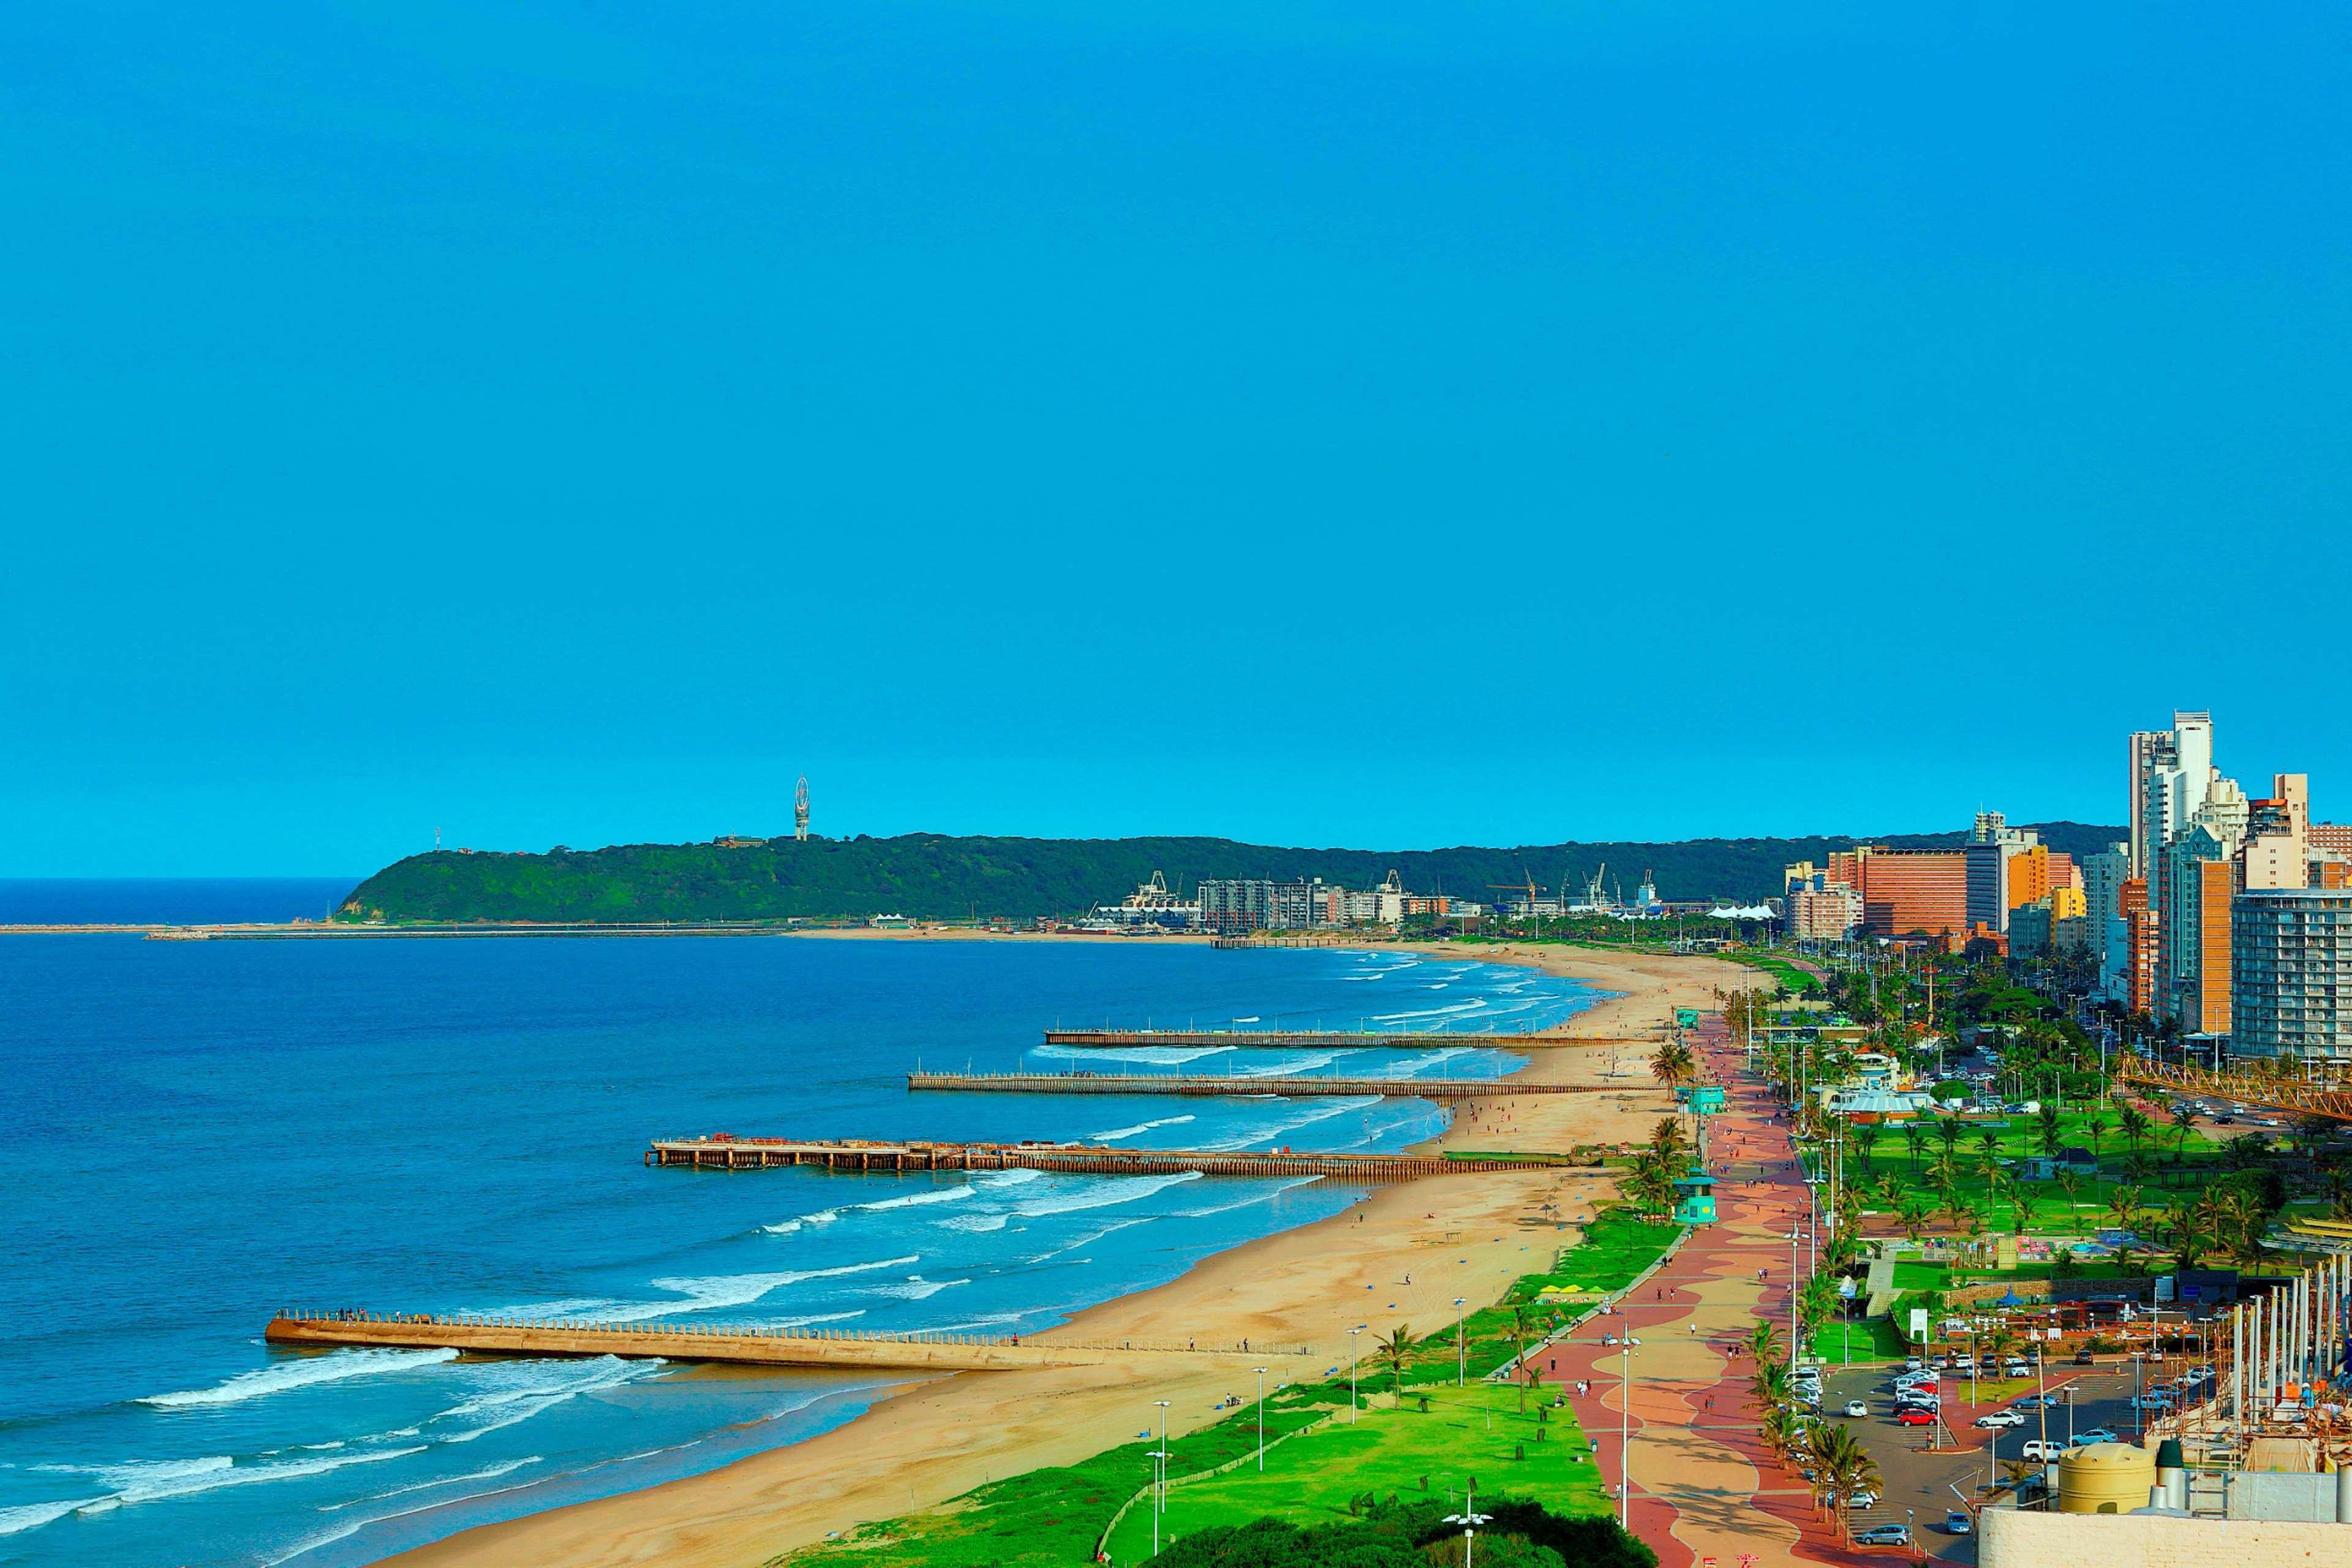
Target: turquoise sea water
{"x":202,"y":1132}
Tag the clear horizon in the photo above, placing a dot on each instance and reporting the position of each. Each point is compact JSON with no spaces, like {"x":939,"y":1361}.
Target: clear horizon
{"x":557,"y":424}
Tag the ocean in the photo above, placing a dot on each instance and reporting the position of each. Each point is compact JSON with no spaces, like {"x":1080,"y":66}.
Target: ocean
{"x":202,"y":1132}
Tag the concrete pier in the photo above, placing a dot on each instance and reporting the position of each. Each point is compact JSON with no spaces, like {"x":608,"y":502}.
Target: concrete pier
{"x":1205,"y":1086}
{"x":725,"y":1152}
{"x":1326,"y":1039}
{"x":715,"y":1342}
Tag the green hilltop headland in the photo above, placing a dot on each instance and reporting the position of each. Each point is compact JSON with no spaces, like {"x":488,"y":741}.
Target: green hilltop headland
{"x":931,"y":876}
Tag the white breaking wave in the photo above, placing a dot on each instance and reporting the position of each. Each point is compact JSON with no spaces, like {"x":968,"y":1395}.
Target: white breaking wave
{"x":332,"y":1367}
{"x":1266,"y":1195}
{"x":915,"y":1289}
{"x":1163,"y":1056}
{"x":931,"y":1196}
{"x":1283,"y":1066}
{"x":1251,"y":1019}
{"x":519,"y":1391}
{"x":1446,"y":1011}
{"x":712,"y":1292}
{"x":1103,"y":1194}
{"x":493,"y":1473}
{"x":152,"y":1482}
{"x":994,"y":1320}
{"x":1089,"y":1239}
{"x":972,"y":1221}
{"x":1409,"y":1065}
{"x":1305,"y":1116}
{"x":1020,"y":1178}
{"x":33,"y":1515}
{"x":1140,"y":1127}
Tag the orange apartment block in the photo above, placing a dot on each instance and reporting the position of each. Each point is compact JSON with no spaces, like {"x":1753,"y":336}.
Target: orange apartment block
{"x":1905,"y":891}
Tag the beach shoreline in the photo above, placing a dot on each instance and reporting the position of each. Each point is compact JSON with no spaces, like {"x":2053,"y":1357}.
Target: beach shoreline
{"x":1401,"y":1254}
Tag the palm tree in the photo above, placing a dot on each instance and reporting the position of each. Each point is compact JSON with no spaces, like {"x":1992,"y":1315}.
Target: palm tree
{"x":2183,"y":1119}
{"x":1845,"y":1469}
{"x":2070,"y":1183}
{"x":1668,"y":1141}
{"x":2021,"y":1195}
{"x":1915,"y":1217}
{"x":1948,"y":1129}
{"x":1391,"y":1351}
{"x":2052,"y":1132}
{"x":1917,"y":1136}
{"x":2134,"y":1123}
{"x":1866,"y":1137}
{"x":1522,"y":1321}
{"x":1673,"y":1065}
{"x":2124,"y":1204}
{"x":1989,"y":1141}
{"x":2095,"y":1122}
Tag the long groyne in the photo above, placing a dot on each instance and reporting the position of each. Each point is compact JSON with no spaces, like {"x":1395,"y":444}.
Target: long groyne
{"x":1211,"y":1086}
{"x":1328,"y":1039}
{"x":725,"y":1152}
{"x":476,"y":1335}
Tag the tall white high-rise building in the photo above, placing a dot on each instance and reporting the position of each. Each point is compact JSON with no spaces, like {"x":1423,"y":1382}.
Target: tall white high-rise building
{"x":2103,"y":884}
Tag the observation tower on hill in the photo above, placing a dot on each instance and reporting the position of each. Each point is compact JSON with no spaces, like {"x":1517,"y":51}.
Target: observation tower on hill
{"x":800,"y":810}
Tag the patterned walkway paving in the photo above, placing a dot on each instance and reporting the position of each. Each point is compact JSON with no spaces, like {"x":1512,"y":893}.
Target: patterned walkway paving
{"x":1705,"y":1494}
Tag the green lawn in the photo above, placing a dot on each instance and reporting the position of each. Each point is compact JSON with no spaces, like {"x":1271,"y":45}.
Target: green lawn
{"x":1874,"y":1338}
{"x":1051,"y":1518}
{"x":1472,"y":1433}
{"x":2021,"y":1138}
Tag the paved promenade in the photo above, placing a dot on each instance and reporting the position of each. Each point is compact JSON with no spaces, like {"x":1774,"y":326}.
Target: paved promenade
{"x":1704,"y":1489}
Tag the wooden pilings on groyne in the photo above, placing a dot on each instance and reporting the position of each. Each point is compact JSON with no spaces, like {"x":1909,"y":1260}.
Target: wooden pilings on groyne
{"x":1203,"y":1086}
{"x":724,"y":1152}
{"x":1326,"y":1039}
{"x":498,"y":1335}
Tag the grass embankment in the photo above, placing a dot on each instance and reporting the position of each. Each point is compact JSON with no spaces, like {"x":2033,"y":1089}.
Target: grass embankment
{"x":1052,"y":1517}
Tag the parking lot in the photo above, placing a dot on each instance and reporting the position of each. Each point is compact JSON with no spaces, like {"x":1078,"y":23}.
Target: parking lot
{"x":1922,"y":1485}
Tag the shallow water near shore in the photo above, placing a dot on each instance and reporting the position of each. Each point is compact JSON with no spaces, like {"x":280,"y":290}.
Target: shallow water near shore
{"x":206,"y":1132}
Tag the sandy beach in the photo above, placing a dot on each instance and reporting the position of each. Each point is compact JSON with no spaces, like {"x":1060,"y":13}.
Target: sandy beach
{"x":1467,"y":1237}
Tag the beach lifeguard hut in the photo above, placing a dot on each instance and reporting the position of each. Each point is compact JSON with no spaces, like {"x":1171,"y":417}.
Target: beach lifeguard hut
{"x":1685,"y":1018}
{"x":1701,"y":1099}
{"x":1694,"y":1198}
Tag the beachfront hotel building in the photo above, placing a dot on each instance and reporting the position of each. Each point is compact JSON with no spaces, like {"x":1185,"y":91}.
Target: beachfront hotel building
{"x":1906,"y":892}
{"x":2290,"y":974}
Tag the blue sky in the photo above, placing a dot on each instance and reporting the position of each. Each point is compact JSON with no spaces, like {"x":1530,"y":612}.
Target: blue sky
{"x":1383,"y":426}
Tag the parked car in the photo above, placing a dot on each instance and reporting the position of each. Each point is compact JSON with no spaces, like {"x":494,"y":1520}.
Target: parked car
{"x":2001,"y":1419}
{"x":1883,"y":1535}
{"x":2035,"y":1402}
{"x":2096,"y":1434}
{"x":1959,"y":1523}
{"x":2035,"y":1448}
{"x":1913,"y":1363}
{"x":2153,"y":1400}
{"x":1856,"y":1407}
{"x":2016,"y":1369}
{"x":1914,"y":1415}
{"x":2084,"y":1358}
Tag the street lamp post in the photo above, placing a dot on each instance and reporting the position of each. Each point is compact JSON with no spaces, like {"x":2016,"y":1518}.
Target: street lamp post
{"x":1624,"y":1432}
{"x":1469,"y":1519}
{"x":1261,"y":1420}
{"x":1461,"y":1346}
{"x":1353,"y":1344}
{"x":1794,"y":1235}
{"x":1160,"y":1504}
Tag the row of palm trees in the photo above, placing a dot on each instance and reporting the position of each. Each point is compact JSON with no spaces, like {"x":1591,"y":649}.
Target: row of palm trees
{"x":1842,"y":1468}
